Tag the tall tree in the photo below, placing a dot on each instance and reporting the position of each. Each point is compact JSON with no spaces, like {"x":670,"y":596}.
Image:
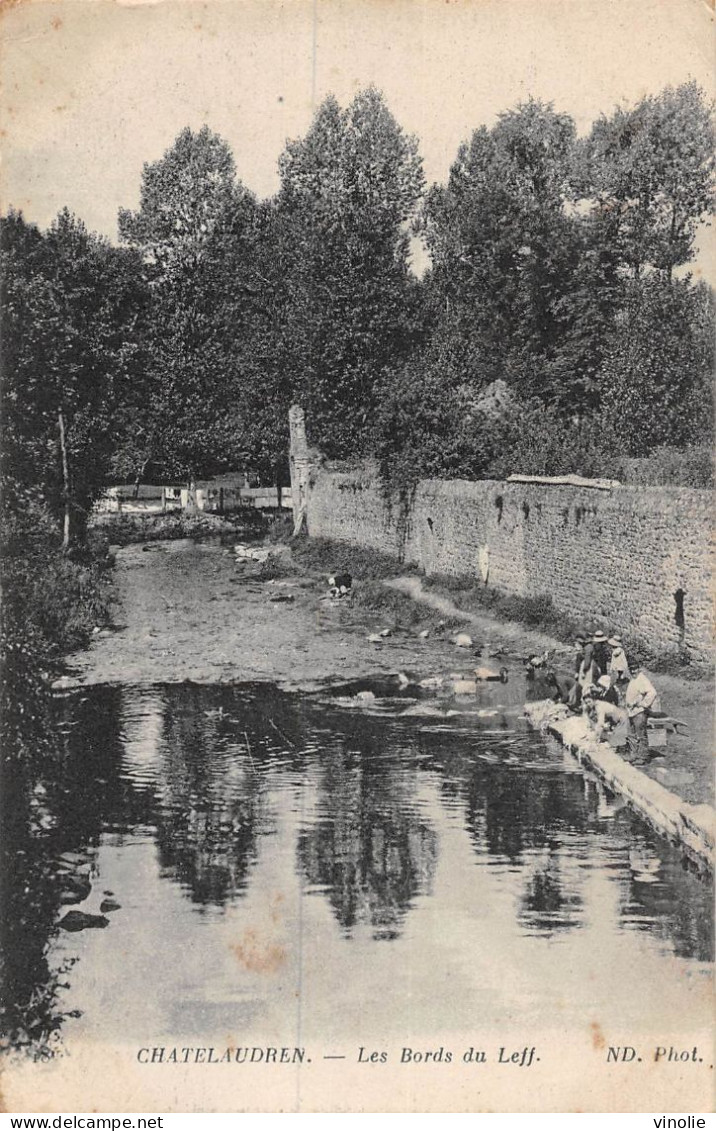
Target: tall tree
{"x":185,"y":198}
{"x":348,"y":191}
{"x":269,"y":381}
{"x":70,"y":309}
{"x":196,"y":231}
{"x":651,"y":168}
{"x":504,"y":249}
{"x":658,"y":370}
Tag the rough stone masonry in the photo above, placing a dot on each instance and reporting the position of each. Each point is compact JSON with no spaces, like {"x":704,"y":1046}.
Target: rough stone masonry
{"x":638,"y":558}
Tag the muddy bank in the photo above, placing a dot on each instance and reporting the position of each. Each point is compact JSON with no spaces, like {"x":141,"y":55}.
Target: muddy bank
{"x":187,"y":612}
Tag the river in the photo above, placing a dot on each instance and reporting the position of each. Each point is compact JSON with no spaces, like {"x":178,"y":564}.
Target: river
{"x":351,"y":868}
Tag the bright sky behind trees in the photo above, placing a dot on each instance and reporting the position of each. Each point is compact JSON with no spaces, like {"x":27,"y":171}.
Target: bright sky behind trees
{"x":94,"y":89}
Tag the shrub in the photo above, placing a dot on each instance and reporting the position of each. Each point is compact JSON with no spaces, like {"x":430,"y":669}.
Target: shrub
{"x":276,"y":566}
{"x":51,"y":603}
{"x":537,"y":611}
{"x":279,"y":528}
{"x":672,"y":467}
{"x":322,"y":555}
{"x":122,"y":529}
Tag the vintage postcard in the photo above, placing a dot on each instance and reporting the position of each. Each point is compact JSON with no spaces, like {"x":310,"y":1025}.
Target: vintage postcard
{"x":357,"y":364}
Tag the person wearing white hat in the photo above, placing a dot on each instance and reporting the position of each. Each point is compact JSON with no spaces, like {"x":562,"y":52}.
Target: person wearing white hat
{"x":600,"y":651}
{"x":605,"y":691}
{"x":601,"y":706}
{"x":599,"y":691}
{"x":618,"y":668}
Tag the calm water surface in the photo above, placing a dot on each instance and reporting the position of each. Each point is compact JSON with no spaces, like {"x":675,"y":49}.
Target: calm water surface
{"x":294,"y":868}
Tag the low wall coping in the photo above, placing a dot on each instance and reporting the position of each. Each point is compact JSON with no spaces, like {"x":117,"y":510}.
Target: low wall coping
{"x":566,"y":481}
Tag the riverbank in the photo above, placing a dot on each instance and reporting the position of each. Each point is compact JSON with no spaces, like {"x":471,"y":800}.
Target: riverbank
{"x":187,"y":611}
{"x":685,"y":765}
{"x":51,"y":601}
{"x":690,"y":827}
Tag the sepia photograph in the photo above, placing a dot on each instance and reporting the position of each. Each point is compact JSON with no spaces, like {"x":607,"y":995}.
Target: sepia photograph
{"x":357,"y":496}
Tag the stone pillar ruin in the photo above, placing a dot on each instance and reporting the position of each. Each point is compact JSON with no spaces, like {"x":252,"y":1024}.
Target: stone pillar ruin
{"x":299,"y":464}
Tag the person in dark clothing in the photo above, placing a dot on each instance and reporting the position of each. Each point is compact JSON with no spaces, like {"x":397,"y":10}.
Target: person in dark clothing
{"x":589,"y":672}
{"x":574,"y":698}
{"x":601,"y":652}
{"x":560,"y":690}
{"x":580,"y":643}
{"x":605,"y":691}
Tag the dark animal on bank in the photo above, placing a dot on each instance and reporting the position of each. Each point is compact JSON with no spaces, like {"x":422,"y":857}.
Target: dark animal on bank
{"x":340,"y":584}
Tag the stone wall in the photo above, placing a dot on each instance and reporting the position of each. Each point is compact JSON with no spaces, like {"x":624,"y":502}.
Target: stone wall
{"x":618,"y":556}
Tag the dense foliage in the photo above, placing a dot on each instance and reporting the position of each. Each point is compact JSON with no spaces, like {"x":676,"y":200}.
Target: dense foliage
{"x":68,"y":314}
{"x":558,"y":270}
{"x":195,"y":232}
{"x":556,"y":329}
{"x":557,"y":276}
{"x":72,"y":343}
{"x":348,"y":190}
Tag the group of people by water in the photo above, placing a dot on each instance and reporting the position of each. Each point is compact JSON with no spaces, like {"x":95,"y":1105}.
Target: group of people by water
{"x":615,"y":693}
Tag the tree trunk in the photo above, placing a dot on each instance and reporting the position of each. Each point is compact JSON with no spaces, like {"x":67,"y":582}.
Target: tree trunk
{"x":65,"y":483}
{"x":191,"y":501}
{"x":139,"y":478}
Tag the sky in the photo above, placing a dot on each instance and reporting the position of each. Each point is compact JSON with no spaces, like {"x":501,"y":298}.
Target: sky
{"x":92,"y":89}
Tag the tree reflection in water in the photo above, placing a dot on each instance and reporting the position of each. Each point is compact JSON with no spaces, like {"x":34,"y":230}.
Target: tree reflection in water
{"x":65,"y":786}
{"x":521,"y":811}
{"x":210,"y":793}
{"x":192,"y":767}
{"x":29,"y":1013}
{"x":531,"y":818}
{"x":547,"y":823}
{"x":370,"y":848}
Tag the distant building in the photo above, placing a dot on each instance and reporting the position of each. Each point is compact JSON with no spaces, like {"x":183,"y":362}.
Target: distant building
{"x":221,"y":494}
